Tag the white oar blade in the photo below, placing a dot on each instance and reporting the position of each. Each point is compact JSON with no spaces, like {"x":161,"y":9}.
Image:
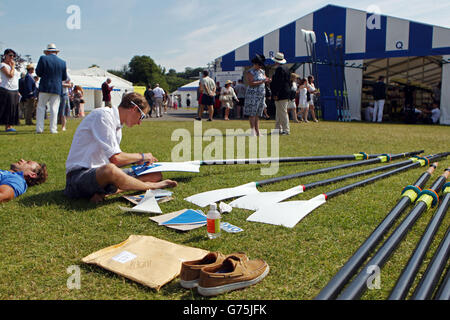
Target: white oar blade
{"x":287,"y":214}
{"x":173,"y":166}
{"x":205,"y":198}
{"x":260,"y":200}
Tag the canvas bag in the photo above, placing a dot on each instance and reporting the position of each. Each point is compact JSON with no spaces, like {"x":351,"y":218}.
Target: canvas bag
{"x":147,"y":260}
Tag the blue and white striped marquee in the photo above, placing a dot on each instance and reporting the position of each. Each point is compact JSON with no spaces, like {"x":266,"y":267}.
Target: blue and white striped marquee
{"x":365,"y":36}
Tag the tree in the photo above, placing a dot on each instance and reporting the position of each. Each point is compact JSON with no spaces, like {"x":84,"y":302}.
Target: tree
{"x":94,"y":66}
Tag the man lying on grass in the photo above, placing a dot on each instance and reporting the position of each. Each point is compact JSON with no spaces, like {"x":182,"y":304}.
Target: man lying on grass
{"x":23,"y":174}
{"x":94,"y":161}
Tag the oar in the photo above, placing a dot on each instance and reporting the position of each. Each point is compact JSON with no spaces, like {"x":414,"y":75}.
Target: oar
{"x":194,"y":166}
{"x":289,"y":213}
{"x":406,"y":279}
{"x":356,"y":156}
{"x":443,"y":292}
{"x":259,"y":200}
{"x":426,"y":200}
{"x":409,"y":195}
{"x":205,"y":198}
{"x":434,"y":270}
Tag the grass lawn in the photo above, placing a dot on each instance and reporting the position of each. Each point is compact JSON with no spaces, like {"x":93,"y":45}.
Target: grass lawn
{"x":43,"y":233}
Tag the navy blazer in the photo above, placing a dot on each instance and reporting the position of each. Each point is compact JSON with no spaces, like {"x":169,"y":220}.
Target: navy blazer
{"x":53,"y":72}
{"x":281,"y":84}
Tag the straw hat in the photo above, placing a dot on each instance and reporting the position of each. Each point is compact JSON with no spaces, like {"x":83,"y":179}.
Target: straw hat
{"x":30,"y":66}
{"x":228,"y":82}
{"x":279,"y":58}
{"x":51,"y":48}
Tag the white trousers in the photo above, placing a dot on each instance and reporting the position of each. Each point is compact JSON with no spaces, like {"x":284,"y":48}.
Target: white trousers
{"x":378,"y":111}
{"x":53,"y":104}
{"x":282,"y":118}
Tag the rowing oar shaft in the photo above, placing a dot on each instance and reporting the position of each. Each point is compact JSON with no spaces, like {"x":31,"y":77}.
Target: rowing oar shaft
{"x":382,"y":158}
{"x":434,"y":270}
{"x":332,"y":289}
{"x":426,"y":199}
{"x":358,"y":156}
{"x":443,"y":292}
{"x":417,"y":161}
{"x":406,"y":279}
{"x":355,"y":174}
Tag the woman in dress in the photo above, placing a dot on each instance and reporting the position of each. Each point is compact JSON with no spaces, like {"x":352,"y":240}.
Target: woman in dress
{"x":78,"y":101}
{"x":227,"y":95}
{"x":292,"y":107}
{"x":256,"y":92}
{"x":303,"y":100}
{"x":9,"y":91}
{"x":312,"y":91}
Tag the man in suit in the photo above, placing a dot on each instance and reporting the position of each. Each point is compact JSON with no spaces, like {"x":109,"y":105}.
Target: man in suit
{"x":52,"y":71}
{"x":281,"y":89}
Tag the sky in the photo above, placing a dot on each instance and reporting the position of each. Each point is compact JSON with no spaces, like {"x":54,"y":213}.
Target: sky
{"x":175,"y":33}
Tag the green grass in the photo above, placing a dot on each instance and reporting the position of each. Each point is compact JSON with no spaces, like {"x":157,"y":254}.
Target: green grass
{"x":43,"y":233}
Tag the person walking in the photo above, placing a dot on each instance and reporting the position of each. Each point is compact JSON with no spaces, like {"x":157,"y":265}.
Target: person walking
{"x":227,"y":96}
{"x":255,"y":95}
{"x":379,"y":95}
{"x":303,"y":100}
{"x":281,"y":89}
{"x":52,"y":71}
{"x":159,"y":97}
{"x":240,"y":90}
{"x":208,"y":93}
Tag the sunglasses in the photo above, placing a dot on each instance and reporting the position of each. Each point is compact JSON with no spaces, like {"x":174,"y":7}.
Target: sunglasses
{"x":140,"y":110}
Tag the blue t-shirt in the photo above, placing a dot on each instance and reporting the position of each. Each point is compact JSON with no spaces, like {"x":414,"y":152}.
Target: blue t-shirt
{"x":15,"y":180}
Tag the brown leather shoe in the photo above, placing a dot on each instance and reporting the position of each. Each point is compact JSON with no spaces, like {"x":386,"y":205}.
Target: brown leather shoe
{"x":233,"y":274}
{"x":190,"y":270}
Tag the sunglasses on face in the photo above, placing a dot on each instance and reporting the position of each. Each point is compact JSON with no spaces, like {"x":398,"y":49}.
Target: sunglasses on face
{"x":140,"y":110}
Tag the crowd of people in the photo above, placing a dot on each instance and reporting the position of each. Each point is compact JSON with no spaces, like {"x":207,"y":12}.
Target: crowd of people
{"x":158,"y":99}
{"x":285,"y":91}
{"x":31,"y":94}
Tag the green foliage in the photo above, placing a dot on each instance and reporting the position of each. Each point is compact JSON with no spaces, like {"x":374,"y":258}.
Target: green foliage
{"x":142,"y":71}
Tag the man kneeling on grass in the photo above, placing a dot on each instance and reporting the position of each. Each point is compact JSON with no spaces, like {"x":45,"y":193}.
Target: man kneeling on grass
{"x":23,"y":174}
{"x":92,"y":167}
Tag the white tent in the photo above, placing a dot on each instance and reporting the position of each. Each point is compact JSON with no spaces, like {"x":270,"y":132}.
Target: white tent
{"x":91,"y":81}
{"x":182,"y":92}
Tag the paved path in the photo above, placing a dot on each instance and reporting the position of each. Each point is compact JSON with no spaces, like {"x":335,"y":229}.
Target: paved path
{"x":181,"y":114}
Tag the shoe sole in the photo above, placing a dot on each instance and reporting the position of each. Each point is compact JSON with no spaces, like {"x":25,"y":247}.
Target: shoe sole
{"x":214,"y":291}
{"x":189,"y":284}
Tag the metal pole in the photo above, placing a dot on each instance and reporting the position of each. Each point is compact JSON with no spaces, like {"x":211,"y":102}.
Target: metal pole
{"x":443,"y":292}
{"x":359,"y":285}
{"x":409,"y":195}
{"x":406,"y":279}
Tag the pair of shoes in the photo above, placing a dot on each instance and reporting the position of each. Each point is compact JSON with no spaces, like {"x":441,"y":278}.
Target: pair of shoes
{"x":64,"y":129}
{"x":315,"y":120}
{"x":209,"y":119}
{"x":216,"y":273}
{"x":284,"y":133}
{"x":198,"y":118}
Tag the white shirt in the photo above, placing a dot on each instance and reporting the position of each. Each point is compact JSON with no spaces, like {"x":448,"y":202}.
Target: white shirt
{"x":9,"y":83}
{"x":159,"y":93}
{"x":240,"y":90}
{"x":435,"y":114}
{"x":96,"y":140}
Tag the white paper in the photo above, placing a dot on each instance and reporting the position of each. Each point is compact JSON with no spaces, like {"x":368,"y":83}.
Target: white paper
{"x":287,"y":214}
{"x":224,"y":208}
{"x":173,"y":166}
{"x":124,"y":257}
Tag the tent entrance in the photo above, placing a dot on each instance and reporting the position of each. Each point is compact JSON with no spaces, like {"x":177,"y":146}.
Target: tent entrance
{"x":422,"y":74}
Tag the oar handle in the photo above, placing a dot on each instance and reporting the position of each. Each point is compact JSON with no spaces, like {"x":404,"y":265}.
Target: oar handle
{"x":379,"y":158}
